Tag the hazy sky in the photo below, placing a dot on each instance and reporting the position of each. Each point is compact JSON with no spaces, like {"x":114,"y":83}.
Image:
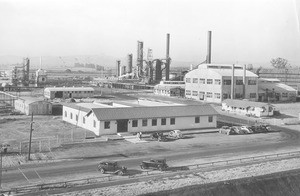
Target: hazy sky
{"x":243,"y":31}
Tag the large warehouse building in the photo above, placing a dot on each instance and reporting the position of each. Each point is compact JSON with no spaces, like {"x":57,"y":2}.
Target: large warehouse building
{"x":217,"y":82}
{"x":138,"y":116}
{"x":68,"y":92}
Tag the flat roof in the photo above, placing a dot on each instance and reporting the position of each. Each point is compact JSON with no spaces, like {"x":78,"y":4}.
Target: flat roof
{"x":29,"y":100}
{"x":244,"y":103}
{"x":69,"y":89}
{"x":278,"y":87}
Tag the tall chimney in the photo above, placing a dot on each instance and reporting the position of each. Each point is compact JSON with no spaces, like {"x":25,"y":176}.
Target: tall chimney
{"x":118,"y":68}
{"x":129,"y":63}
{"x":140,"y":58}
{"x":244,"y":81}
{"x":208,"y":58}
{"x":168,"y":58}
{"x":232,"y":83}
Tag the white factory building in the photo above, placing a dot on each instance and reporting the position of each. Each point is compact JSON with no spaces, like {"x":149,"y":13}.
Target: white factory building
{"x":138,"y":116}
{"x":217,"y":82}
{"x":170,"y":88}
{"x":68,"y":92}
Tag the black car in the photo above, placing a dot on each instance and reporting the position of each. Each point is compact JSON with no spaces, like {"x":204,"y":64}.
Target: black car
{"x":154,"y":164}
{"x":111,"y":167}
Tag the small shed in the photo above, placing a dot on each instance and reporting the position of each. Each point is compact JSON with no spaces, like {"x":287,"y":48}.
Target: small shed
{"x":29,"y":105}
{"x":248,"y":108}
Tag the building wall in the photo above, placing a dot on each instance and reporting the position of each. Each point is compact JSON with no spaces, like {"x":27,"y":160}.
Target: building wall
{"x":37,"y":108}
{"x":50,"y":94}
{"x":255,"y":111}
{"x":218,"y":90}
{"x":180,"y":123}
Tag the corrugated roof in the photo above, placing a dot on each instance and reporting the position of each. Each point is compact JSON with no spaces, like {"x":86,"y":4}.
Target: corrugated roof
{"x":244,"y":104}
{"x":30,"y":100}
{"x":278,"y":87}
{"x":153,"y":112}
{"x":77,"y":107}
{"x":70,"y":89}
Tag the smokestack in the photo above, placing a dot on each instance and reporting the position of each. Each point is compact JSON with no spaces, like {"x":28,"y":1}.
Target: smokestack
{"x":129,"y":63}
{"x":244,"y":81}
{"x":140,"y":58}
{"x":118,"y":68}
{"x":232,"y":83}
{"x":208,"y":58}
{"x":168,"y":58}
{"x":41,"y":62}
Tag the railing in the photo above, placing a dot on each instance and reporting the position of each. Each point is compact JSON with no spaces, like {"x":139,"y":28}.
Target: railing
{"x":81,"y":182}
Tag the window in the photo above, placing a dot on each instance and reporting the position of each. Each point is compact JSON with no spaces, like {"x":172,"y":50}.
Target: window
{"x":238,"y":96}
{"x":172,"y":121}
{"x":71,"y":115}
{"x":210,"y":119}
{"x":76,"y":117}
{"x":195,"y":93}
{"x":66,"y":114}
{"x":163,"y":121}
{"x":239,"y":82}
{"x":107,"y":125}
{"x":187,"y":92}
{"x":83,"y":120}
{"x":227,"y":82}
{"x":217,"y":95}
{"x":251,"y":82}
{"x":195,"y":80}
{"x":209,"y":81}
{"x":284,"y":95}
{"x":252,"y":95}
{"x":225,"y":96}
{"x":217,"y":81}
{"x":197,"y":119}
{"x":202,"y":80}
{"x":134,"y":123}
{"x":144,"y":122}
{"x":188,"y":80}
{"x":154,"y":122}
{"x":94,"y":123}
{"x":201,"y":95}
{"x":209,"y":94}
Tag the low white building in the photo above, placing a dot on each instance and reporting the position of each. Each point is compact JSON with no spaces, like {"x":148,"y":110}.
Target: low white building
{"x":138,"y":116}
{"x":68,"y":92}
{"x":170,"y":88}
{"x":29,"y":105}
{"x":248,"y":108}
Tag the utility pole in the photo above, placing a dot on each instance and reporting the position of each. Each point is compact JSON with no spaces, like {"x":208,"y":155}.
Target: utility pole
{"x":0,"y":166}
{"x":31,"y":123}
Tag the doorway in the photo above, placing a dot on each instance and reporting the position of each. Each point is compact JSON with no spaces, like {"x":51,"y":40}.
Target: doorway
{"x":122,"y":125}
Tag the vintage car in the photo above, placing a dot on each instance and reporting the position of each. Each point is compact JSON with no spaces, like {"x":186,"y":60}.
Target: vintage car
{"x":154,"y":164}
{"x":175,"y":134}
{"x":111,"y":167}
{"x":260,"y":128}
{"x":247,"y":129}
{"x":227,"y":130}
{"x":158,"y":136}
{"x":238,"y":130}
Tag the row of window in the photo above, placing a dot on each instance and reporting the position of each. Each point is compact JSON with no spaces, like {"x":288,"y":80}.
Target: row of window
{"x":78,"y":91}
{"x":201,"y":94}
{"x":217,"y":81}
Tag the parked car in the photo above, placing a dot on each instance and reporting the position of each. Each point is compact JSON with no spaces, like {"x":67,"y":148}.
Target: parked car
{"x":158,"y":136}
{"x":154,"y":164}
{"x":261,"y":128}
{"x":226,"y":130}
{"x":176,"y":134}
{"x":111,"y":167}
{"x":238,"y":130}
{"x":247,"y":129}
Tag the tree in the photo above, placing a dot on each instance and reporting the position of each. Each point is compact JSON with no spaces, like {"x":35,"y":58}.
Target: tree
{"x":279,"y":63}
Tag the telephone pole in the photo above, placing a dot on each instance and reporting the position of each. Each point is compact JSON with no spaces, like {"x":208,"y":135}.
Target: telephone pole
{"x":31,"y":123}
{"x":0,"y":166}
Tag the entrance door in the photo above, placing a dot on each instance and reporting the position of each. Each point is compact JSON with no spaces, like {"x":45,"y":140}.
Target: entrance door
{"x":122,"y":125}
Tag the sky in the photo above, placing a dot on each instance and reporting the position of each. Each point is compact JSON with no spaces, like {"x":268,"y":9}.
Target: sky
{"x":243,"y":31}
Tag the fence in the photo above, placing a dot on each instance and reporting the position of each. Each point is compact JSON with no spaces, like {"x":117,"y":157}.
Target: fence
{"x":87,"y":181}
